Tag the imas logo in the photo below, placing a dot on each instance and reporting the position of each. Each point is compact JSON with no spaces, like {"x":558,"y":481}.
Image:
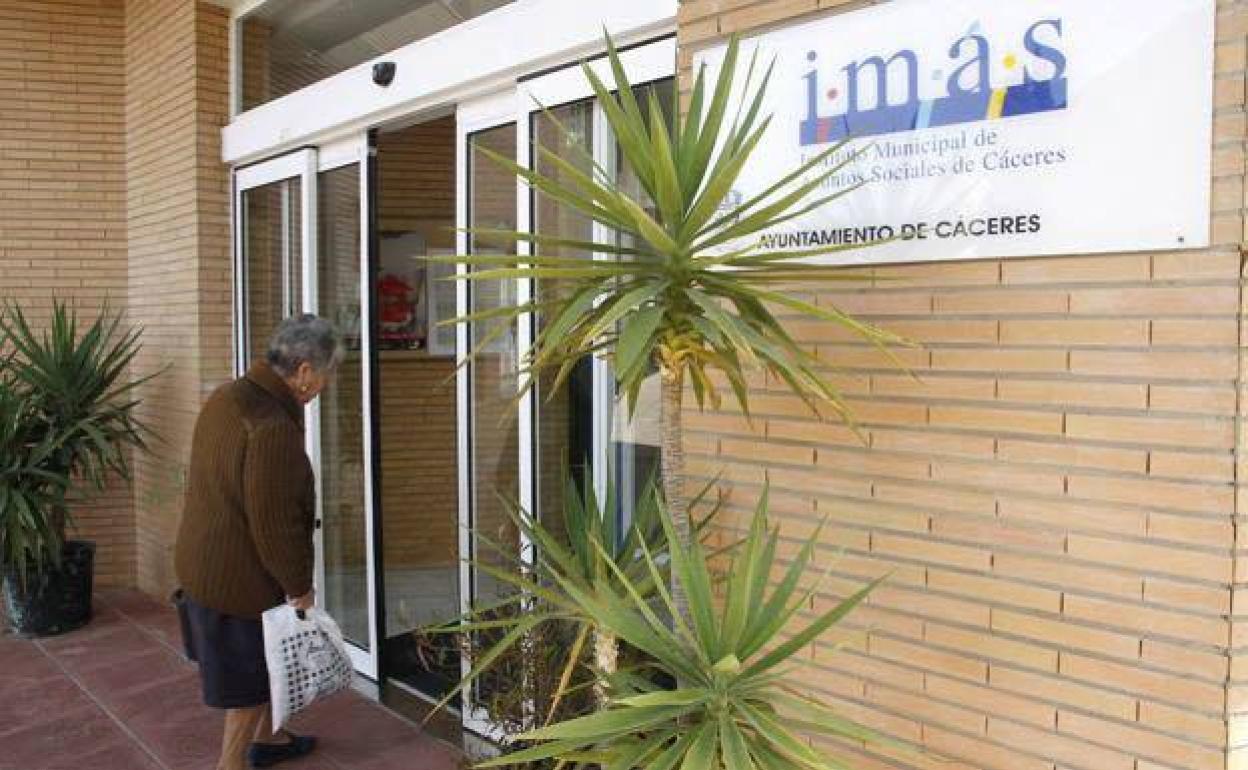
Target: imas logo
{"x":970,"y":93}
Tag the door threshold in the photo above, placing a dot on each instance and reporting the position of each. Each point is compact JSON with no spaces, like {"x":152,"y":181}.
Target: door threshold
{"x":416,"y":706}
{"x":413,"y":692}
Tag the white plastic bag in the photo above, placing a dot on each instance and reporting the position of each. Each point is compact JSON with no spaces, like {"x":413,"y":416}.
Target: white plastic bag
{"x":306,"y":657}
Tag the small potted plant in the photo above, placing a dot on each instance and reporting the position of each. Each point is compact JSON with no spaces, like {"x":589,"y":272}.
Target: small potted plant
{"x":68,"y":423}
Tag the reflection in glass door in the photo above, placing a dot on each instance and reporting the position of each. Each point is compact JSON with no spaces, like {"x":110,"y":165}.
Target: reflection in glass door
{"x":270,"y":244}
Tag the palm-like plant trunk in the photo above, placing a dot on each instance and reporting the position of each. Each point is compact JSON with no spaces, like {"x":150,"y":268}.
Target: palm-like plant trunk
{"x":673,"y":466}
{"x":606,"y":659}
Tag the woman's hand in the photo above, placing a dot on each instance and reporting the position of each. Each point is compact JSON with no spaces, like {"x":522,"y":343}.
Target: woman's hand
{"x":305,"y":602}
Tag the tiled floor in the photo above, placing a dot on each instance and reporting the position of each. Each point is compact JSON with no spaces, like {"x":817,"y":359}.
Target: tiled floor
{"x":117,"y":695}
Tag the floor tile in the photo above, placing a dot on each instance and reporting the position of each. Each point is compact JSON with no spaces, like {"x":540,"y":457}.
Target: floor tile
{"x":171,"y":721}
{"x":23,"y":664}
{"x":166,"y":629}
{"x":123,"y":756}
{"x":40,"y":703}
{"x":72,"y":734}
{"x":112,"y":683}
{"x":79,"y":652}
{"x":422,"y":753}
{"x":157,"y":619}
{"x":132,"y":603}
{"x":317,"y":760}
{"x":177,"y":693}
{"x":356,"y":731}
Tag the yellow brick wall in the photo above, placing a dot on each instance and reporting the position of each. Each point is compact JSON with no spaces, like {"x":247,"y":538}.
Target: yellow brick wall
{"x":1056,"y":495}
{"x":62,"y":191}
{"x":179,"y":269}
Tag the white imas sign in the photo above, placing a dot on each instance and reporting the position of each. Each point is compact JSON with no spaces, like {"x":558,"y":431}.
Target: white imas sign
{"x":993,"y":128}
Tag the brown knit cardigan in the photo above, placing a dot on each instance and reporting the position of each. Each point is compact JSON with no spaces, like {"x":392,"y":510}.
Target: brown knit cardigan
{"x":245,"y":542}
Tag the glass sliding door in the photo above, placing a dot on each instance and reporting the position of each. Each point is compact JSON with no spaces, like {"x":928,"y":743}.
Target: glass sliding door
{"x":342,"y":454}
{"x":274,"y":214}
{"x":564,"y":425}
{"x":299,"y":246}
{"x":493,"y":376}
{"x":525,"y":450}
{"x":341,"y":427}
{"x":417,"y":408}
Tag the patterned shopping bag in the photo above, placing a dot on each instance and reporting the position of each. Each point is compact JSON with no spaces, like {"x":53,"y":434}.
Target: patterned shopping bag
{"x":306,"y":657}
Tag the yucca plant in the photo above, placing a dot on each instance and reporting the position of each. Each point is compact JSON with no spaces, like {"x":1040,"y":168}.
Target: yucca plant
{"x":589,"y":548}
{"x":76,"y":378}
{"x":690,"y":290}
{"x":731,"y":708}
{"x":70,"y":412}
{"x":29,"y":537}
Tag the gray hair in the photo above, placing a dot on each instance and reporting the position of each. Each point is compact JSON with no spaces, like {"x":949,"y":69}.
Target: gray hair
{"x":304,"y":339}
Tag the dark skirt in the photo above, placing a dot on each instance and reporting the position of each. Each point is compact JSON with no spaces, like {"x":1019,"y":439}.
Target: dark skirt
{"x":230,"y":653}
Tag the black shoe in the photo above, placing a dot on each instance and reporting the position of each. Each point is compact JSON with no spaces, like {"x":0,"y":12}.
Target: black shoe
{"x":269,"y":754}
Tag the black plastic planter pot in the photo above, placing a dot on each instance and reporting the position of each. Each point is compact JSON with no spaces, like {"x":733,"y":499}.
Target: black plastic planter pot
{"x":57,"y":601}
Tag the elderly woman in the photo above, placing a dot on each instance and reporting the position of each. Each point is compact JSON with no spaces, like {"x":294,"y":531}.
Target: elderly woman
{"x":245,"y":543}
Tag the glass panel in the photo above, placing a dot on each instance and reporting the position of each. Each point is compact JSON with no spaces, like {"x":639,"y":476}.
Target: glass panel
{"x":273,"y":251}
{"x":289,"y":44}
{"x":495,"y":440}
{"x":418,"y":405}
{"x":635,"y":441}
{"x":343,"y":511}
{"x":564,"y":437}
